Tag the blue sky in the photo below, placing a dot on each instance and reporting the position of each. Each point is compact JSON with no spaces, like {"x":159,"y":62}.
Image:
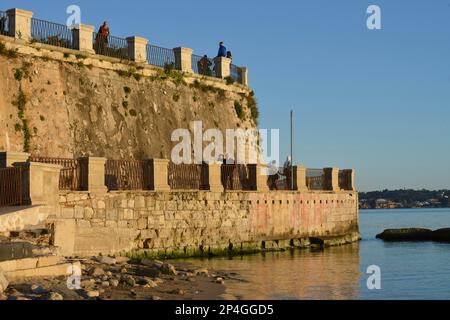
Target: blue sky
{"x":377,"y":101}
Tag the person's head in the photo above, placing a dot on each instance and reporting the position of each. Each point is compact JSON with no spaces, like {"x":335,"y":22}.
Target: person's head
{"x":228,"y":53}
{"x":221,"y":43}
{"x":105,"y":23}
{"x":205,"y":56}
{"x":289,"y":158}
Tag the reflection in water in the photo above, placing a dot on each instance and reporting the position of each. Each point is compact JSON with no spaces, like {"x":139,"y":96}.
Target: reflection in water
{"x":299,"y":274}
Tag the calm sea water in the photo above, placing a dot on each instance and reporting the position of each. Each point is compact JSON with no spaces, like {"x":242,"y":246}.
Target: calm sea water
{"x":408,"y":270}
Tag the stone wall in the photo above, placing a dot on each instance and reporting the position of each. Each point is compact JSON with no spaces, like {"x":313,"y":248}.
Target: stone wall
{"x":57,"y":102}
{"x":194,"y":222}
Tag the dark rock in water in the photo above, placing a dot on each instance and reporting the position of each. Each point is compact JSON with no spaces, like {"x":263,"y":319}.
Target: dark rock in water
{"x":411,"y":234}
{"x":441,"y":235}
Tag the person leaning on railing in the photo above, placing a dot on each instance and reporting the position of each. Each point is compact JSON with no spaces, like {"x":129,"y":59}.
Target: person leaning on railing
{"x":287,"y":172}
{"x":204,"y":66}
{"x":102,"y":37}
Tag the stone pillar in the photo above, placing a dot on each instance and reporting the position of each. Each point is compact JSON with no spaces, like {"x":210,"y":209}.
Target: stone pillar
{"x":137,"y":48}
{"x":159,"y":175}
{"x":259,"y":175}
{"x":93,"y":174}
{"x":300,"y":178}
{"x":222,"y":67}
{"x":183,"y":59}
{"x":244,"y":76}
{"x":20,"y":23}
{"x":215,"y":177}
{"x":83,"y":38}
{"x":350,"y":175}
{"x":40,"y":183}
{"x":7,"y":158}
{"x":332,"y":179}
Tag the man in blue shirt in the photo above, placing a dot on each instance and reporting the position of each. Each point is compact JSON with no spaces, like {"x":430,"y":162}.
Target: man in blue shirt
{"x":222,"y":50}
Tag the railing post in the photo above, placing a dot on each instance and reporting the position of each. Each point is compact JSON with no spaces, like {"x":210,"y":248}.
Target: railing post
{"x":83,"y":38}
{"x":244,"y":76}
{"x":222,"y":67}
{"x":300,"y":178}
{"x":7,"y":158}
{"x":93,"y":173}
{"x":258,"y":177}
{"x":20,"y":23}
{"x":159,"y":175}
{"x":137,"y":47}
{"x":183,"y":59}
{"x":215,"y":177}
{"x":40,"y":183}
{"x":332,"y":178}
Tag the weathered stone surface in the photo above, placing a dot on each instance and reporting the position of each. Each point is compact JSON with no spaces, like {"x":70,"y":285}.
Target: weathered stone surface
{"x":168,"y":269}
{"x":96,"y":272}
{"x":55,"y":296}
{"x":3,"y":282}
{"x":107,"y":260}
{"x":411,"y":234}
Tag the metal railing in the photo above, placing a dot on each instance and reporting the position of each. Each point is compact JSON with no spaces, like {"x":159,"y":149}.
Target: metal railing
{"x":235,"y":73}
{"x":72,"y":175}
{"x":187,"y":176}
{"x":127,"y":175}
{"x":51,"y":33}
{"x":203,"y":66}
{"x":315,"y":179}
{"x":235,"y":177}
{"x":345,"y":179}
{"x":111,"y":46}
{"x":10,"y":187}
{"x":4,"y":24}
{"x":282,"y":180}
{"x":159,"y":56}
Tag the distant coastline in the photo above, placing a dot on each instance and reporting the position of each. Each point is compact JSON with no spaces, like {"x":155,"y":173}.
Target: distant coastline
{"x":404,"y":199}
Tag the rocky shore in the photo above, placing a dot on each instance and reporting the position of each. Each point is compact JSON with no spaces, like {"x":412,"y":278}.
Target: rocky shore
{"x":119,"y":278}
{"x":415,"y":234}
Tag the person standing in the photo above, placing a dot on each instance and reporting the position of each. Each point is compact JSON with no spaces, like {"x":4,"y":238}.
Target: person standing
{"x":222,"y":50}
{"x":102,"y":37}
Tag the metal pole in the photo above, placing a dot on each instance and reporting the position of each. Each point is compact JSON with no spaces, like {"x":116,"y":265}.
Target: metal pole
{"x":292,"y":149}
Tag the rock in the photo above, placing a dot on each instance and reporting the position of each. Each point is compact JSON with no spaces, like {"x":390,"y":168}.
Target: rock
{"x":411,"y":234}
{"x":114,"y":282}
{"x":168,"y":269}
{"x":105,"y":284}
{"x":220,"y":280}
{"x":122,"y":260}
{"x":38,"y":289}
{"x":3,"y":297}
{"x":441,"y":235}
{"x":109,"y":274}
{"x":129,"y":280}
{"x":3,"y":282}
{"x":152,"y":263}
{"x":142,"y":281}
{"x":107,"y":260}
{"x":156,"y":298}
{"x":55,"y":296}
{"x":148,"y":272}
{"x":151,"y":284}
{"x":93,"y":294}
{"x":123,"y":270}
{"x":97,"y":272}
{"x":202,"y":272}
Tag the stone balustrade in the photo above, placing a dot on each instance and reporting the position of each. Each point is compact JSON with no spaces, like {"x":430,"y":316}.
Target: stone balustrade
{"x":137,"y":48}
